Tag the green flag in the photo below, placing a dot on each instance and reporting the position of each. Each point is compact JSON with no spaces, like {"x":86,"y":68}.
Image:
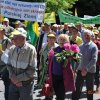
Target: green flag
{"x":32,"y":32}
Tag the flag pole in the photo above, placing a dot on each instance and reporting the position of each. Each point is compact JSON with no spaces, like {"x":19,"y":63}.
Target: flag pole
{"x":76,"y":12}
{"x":0,"y":16}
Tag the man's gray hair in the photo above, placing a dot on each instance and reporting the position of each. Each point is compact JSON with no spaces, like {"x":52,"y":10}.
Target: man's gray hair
{"x":89,"y":32}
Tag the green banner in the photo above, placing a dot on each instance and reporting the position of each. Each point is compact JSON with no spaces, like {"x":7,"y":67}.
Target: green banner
{"x":93,"y":20}
{"x":67,"y":18}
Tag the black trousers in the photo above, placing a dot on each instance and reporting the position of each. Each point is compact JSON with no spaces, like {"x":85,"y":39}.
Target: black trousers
{"x":97,"y":76}
{"x":6,"y":80}
{"x":79,"y":84}
{"x":58,"y":85}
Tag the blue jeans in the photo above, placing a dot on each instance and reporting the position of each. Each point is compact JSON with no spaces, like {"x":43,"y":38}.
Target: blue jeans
{"x":21,"y":93}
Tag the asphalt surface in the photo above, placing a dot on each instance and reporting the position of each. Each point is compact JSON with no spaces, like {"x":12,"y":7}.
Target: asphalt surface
{"x":37,"y":95}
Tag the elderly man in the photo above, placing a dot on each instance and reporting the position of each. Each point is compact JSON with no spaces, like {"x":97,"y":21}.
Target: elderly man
{"x":17,"y":24}
{"x":65,"y":29}
{"x":87,"y":67}
{"x":8,"y":28}
{"x":21,"y":66}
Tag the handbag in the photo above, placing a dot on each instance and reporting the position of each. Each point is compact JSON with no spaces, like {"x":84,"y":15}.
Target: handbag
{"x":47,"y":89}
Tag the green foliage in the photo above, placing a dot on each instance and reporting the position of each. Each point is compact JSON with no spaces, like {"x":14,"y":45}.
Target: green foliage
{"x":88,"y":7}
{"x":54,"y":5}
{"x":66,"y":55}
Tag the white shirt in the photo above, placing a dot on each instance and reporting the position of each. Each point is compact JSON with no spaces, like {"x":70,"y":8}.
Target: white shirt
{"x":44,"y":39}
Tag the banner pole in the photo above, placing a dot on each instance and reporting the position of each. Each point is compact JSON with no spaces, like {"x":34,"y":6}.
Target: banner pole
{"x":0,"y":16}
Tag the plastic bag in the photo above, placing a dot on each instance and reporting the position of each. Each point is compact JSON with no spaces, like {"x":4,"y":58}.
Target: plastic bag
{"x":47,"y":89}
{"x":4,"y":56}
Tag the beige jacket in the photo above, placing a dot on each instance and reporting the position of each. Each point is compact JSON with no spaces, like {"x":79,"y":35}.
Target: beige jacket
{"x":23,"y":62}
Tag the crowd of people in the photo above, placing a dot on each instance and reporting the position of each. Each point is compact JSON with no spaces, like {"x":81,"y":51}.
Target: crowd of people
{"x":20,"y":59}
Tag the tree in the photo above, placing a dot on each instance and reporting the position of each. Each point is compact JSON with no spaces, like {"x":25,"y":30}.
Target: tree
{"x":88,"y":7}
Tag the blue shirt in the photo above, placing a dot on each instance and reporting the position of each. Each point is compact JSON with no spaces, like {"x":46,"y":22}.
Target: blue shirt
{"x":57,"y":66}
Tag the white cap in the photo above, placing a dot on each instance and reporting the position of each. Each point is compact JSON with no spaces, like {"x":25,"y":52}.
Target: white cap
{"x":17,"y":33}
{"x":22,"y":30}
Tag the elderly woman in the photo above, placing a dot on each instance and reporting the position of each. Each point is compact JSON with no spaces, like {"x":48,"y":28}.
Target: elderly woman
{"x":44,"y":56}
{"x":51,"y":38}
{"x":61,"y":77}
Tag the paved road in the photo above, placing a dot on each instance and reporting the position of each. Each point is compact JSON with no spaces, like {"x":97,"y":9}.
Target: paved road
{"x":37,"y":96}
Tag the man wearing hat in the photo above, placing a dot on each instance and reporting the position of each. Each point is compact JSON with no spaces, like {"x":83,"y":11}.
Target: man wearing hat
{"x":17,"y":24}
{"x":8,"y":28}
{"x":4,"y":42}
{"x":70,"y":28}
{"x":21,"y":66}
{"x":65,"y":29}
{"x":41,"y":41}
{"x":79,"y":26}
{"x":43,"y":36}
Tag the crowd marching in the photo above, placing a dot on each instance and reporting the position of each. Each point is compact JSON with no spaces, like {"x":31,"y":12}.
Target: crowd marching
{"x":64,"y":56}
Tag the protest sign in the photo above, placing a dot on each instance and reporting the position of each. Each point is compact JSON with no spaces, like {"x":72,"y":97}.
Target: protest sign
{"x":49,"y":17}
{"x":23,"y":10}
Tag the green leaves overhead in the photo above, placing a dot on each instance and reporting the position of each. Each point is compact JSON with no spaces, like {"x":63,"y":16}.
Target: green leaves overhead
{"x":54,"y":5}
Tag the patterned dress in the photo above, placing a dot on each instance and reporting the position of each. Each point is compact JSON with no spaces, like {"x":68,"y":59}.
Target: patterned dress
{"x":44,"y":64}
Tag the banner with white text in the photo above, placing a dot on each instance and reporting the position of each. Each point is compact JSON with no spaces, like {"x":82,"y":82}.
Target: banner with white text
{"x":23,"y":10}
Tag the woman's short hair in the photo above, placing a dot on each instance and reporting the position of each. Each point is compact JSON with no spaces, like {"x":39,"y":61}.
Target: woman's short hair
{"x":64,"y":36}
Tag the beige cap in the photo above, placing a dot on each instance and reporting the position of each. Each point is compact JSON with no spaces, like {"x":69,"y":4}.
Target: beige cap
{"x":17,"y":22}
{"x":51,"y":35}
{"x":17,"y":33}
{"x":6,"y":20}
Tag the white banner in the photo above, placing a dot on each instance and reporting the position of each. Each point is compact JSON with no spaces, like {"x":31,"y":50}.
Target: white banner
{"x":87,"y":16}
{"x":23,"y":10}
